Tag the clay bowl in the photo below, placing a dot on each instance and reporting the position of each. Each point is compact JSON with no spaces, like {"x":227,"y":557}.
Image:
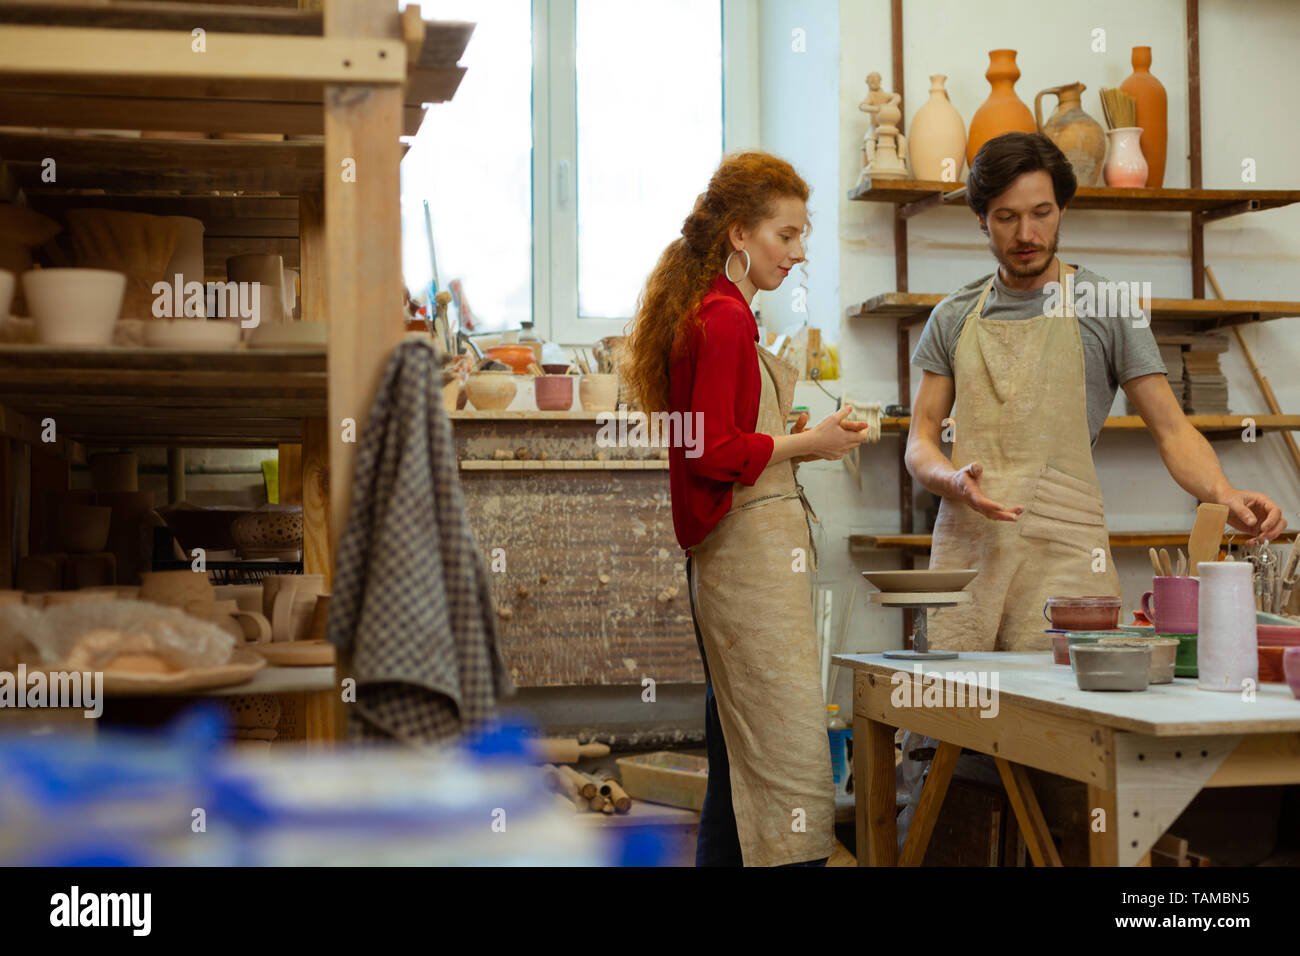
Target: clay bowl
{"x":74,"y":306}
{"x":1164,"y":653}
{"x":1110,"y":666}
{"x":518,"y":357}
{"x":1291,"y":669}
{"x":191,"y":334}
{"x":491,"y":391}
{"x":921,"y":580}
{"x":554,"y":393}
{"x":82,"y":529}
{"x":555,"y":368}
{"x":598,"y":393}
{"x":1270,"y":665}
{"x":1083,"y":613}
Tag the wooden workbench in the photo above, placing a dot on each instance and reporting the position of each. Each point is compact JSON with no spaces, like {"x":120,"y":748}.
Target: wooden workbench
{"x":1143,"y":756}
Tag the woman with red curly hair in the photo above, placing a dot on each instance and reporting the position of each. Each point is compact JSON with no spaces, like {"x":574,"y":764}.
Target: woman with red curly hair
{"x":740,"y":515}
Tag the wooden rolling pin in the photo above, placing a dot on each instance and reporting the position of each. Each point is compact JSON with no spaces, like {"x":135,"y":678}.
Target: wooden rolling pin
{"x":579,"y":784}
{"x":1207,"y":532}
{"x":567,"y":750}
{"x":611,"y":788}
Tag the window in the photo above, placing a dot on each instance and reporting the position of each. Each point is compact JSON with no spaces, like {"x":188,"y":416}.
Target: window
{"x":573,"y":150}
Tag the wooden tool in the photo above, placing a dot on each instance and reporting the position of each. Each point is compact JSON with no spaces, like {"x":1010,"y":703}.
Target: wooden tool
{"x":610,"y":787}
{"x":1182,"y":564}
{"x":1207,"y":532}
{"x":1165,"y":563}
{"x":1155,"y":562}
{"x":567,"y":750}
{"x":534,"y":369}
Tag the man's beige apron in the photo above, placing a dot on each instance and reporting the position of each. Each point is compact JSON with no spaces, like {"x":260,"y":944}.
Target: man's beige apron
{"x":1021,"y":412}
{"x":753,"y":598}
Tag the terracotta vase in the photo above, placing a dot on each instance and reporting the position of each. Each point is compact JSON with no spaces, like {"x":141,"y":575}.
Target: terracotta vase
{"x":937,"y":135}
{"x":135,"y":244}
{"x":1075,"y":133}
{"x":1002,"y":112}
{"x":1125,"y":166}
{"x":1152,"y":114}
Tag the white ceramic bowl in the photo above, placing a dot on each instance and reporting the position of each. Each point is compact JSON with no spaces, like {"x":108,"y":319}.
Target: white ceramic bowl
{"x":308,"y":336}
{"x":6,"y":292}
{"x":74,"y":306}
{"x":191,"y":334}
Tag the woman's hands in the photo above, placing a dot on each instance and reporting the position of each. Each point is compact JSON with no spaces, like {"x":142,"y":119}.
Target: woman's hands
{"x":832,"y":438}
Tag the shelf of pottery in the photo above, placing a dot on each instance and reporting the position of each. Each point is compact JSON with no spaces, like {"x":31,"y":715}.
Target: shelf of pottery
{"x":167,"y":286}
{"x":1121,"y":168}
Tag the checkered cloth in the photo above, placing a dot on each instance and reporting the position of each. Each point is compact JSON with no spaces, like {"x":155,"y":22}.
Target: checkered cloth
{"x":411,"y":599}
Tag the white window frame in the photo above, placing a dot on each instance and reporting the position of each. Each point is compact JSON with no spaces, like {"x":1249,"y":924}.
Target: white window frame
{"x":555,"y":213}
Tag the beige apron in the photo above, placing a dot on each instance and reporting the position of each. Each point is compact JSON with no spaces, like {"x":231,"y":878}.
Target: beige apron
{"x":755,"y":614}
{"x":1021,"y":411}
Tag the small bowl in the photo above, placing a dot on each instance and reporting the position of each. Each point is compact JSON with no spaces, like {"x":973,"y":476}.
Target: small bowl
{"x":518,"y":357}
{"x":74,"y":306}
{"x":1164,"y":654}
{"x":555,"y":368}
{"x":1087,"y":613}
{"x":1110,"y":666}
{"x":1270,"y":665}
{"x":198,"y":334}
{"x":1291,"y":669}
{"x":1185,"y":662}
{"x":491,"y":391}
{"x":554,"y":393}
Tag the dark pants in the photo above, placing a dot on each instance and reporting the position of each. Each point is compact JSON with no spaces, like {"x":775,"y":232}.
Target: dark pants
{"x":718,"y":843}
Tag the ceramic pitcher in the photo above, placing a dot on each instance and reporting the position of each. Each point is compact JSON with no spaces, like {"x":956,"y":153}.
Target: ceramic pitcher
{"x":1075,"y":133}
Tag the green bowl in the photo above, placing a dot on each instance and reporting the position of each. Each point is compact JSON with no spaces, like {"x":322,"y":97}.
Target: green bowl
{"x":1185,"y":662}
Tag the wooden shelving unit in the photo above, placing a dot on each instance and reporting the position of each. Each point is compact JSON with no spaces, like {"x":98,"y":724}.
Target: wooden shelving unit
{"x":353,"y":78}
{"x":1118,"y":539}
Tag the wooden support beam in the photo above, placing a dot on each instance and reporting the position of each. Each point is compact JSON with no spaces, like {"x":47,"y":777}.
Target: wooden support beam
{"x":317,"y":546}
{"x":312,"y":249}
{"x":931,"y":802}
{"x":1033,"y":827}
{"x":362,"y":208}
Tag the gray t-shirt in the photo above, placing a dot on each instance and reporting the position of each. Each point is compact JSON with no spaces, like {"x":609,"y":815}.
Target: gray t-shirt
{"x":1114,"y":350}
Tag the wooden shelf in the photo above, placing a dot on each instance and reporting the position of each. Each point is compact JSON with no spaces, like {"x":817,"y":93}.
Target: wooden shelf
{"x":275,"y":95}
{"x":1206,"y":314}
{"x":1211,"y":202}
{"x":529,"y":415}
{"x":1118,"y":539}
{"x":199,"y":399}
{"x":1134,"y":423}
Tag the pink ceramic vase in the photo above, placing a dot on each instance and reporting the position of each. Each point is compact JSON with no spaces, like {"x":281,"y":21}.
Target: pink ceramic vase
{"x":1125,"y":166}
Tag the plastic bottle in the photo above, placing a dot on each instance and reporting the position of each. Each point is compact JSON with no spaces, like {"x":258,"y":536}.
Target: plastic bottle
{"x":838,"y":732}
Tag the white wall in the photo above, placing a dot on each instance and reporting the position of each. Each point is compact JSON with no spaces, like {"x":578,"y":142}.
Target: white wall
{"x":1249,"y":71}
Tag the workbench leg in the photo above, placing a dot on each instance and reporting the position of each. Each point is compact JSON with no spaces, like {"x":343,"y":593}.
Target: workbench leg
{"x":927,"y":808}
{"x":876,"y":804}
{"x":1038,"y":841}
{"x":1103,"y":828}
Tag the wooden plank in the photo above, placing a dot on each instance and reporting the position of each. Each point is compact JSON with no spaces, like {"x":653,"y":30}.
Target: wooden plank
{"x":1037,"y":737}
{"x":217,"y":249}
{"x":1262,"y":760}
{"x":312,"y":249}
{"x":9,"y":551}
{"x":877,"y":800}
{"x":1103,"y":829}
{"x":93,"y":52}
{"x":289,"y":473}
{"x":901,"y":192}
{"x":1020,"y":793}
{"x":363,"y":238}
{"x":317,"y":550}
{"x":1118,"y":539}
{"x":214,"y":211}
{"x":1037,"y":690}
{"x":1217,"y":312}
{"x":928,"y":806}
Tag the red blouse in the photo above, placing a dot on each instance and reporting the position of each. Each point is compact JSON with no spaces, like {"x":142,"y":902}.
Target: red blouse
{"x":717,"y":377}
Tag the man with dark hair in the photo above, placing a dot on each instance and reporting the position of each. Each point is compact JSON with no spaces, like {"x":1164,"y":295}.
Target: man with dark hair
{"x":1027,"y":361}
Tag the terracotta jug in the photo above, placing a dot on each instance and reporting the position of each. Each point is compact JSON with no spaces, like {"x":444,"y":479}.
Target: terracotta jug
{"x":1002,"y":112}
{"x":938,"y":134}
{"x":1152,"y":114}
{"x":1075,"y":133}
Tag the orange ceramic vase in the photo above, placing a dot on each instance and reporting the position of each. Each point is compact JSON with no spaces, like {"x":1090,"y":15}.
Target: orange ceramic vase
{"x":1152,"y":114}
{"x":1002,"y":112}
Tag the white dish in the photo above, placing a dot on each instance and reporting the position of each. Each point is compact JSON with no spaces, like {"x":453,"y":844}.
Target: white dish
{"x":191,"y":334}
{"x":310,"y":336}
{"x":74,"y":306}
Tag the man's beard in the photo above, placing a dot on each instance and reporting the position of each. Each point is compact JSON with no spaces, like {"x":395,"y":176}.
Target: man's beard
{"x":1017,"y":271}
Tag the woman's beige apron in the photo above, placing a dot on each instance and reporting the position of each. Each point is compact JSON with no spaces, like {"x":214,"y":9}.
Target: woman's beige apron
{"x":752,"y":581}
{"x":1021,"y":412}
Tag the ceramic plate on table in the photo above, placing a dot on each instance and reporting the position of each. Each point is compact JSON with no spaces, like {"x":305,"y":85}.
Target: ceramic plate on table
{"x":905,"y":582}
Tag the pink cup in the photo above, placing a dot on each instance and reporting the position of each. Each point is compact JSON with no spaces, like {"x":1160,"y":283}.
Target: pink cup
{"x":1176,"y":603}
{"x":554,"y":393}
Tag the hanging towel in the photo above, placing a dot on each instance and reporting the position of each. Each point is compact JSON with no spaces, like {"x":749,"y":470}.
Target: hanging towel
{"x":411,"y":599}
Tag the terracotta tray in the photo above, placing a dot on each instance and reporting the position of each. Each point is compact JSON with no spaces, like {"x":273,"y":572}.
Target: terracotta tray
{"x":902,"y":582}
{"x":298,"y":653}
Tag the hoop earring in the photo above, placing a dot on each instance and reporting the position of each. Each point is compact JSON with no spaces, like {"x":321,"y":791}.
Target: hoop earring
{"x":726,"y":267}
